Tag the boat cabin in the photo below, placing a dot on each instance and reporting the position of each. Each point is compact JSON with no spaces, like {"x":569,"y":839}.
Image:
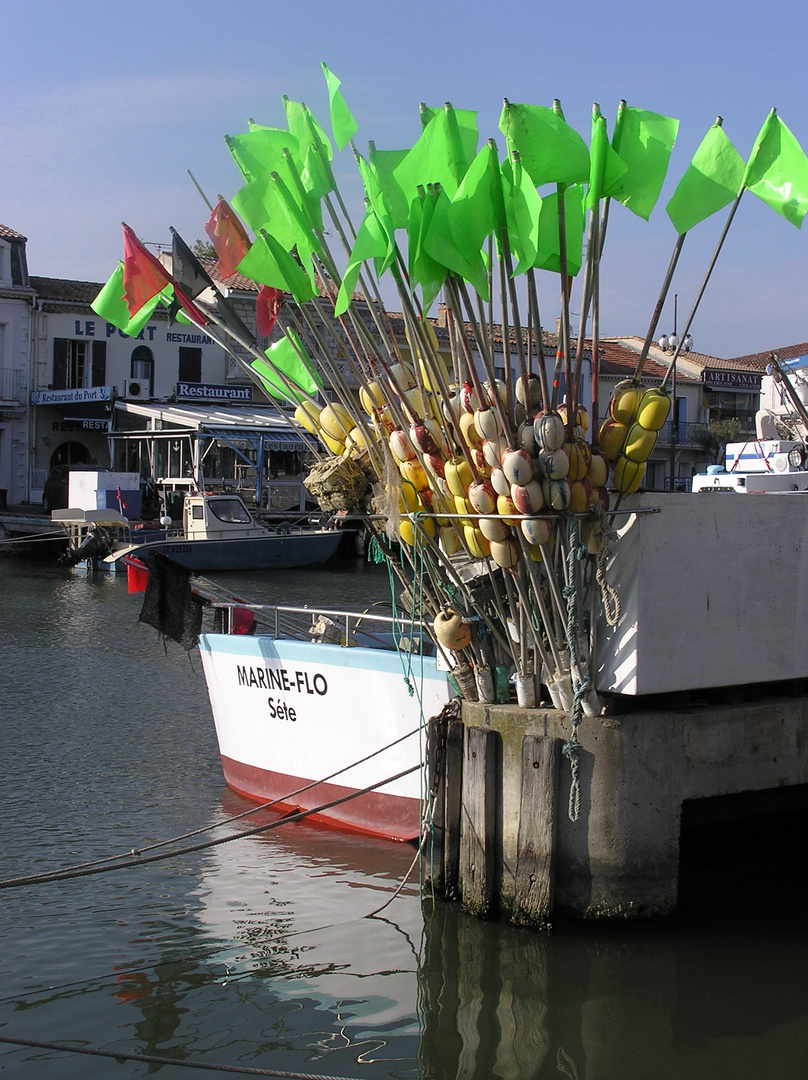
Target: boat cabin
{"x":218,"y":517}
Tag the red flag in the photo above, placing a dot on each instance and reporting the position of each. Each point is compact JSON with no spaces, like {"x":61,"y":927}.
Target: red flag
{"x":228,"y":237}
{"x":143,"y":275}
{"x":267,"y":306}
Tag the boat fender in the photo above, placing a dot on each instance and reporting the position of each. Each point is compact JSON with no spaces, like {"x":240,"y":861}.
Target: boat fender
{"x":284,"y":528}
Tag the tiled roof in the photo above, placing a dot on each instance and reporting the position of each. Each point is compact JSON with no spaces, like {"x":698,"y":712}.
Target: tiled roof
{"x":758,"y":361}
{"x":619,"y":359}
{"x":9,"y":234}
{"x":66,"y":291}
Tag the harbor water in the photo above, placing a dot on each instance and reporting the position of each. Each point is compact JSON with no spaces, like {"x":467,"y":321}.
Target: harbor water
{"x":304,"y":951}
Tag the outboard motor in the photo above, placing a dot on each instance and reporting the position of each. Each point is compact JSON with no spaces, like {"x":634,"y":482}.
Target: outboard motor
{"x":96,"y":544}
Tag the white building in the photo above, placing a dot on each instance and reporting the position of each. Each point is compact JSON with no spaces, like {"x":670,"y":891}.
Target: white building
{"x":16,"y":303}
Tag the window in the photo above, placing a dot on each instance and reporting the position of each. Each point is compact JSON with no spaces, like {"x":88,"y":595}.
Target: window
{"x":190,"y":368}
{"x":71,"y":363}
{"x":142,"y":365}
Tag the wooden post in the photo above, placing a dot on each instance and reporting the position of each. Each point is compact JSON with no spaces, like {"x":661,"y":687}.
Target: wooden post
{"x":453,"y":810}
{"x":478,"y":845}
{"x":435,"y":843}
{"x":536,"y":842}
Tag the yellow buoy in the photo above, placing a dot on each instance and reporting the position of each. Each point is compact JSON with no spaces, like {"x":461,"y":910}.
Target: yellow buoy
{"x":581,"y":496}
{"x":468,"y":429}
{"x":336,"y":446}
{"x":628,"y":475}
{"x":654,"y":408}
{"x":478,"y":546}
{"x":506,"y":507}
{"x":371,"y":397}
{"x":407,"y":530}
{"x":639,"y":443}
{"x":335,"y":420}
{"x":407,"y":497}
{"x":580,"y":457}
{"x":458,"y":475}
{"x":307,"y":415}
{"x":598,"y":472}
{"x":415,"y":473}
{"x":611,"y":438}
{"x":462,"y":507}
{"x":625,"y":400}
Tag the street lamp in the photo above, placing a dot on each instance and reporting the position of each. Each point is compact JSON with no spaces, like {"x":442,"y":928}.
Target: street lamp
{"x":670,"y":343}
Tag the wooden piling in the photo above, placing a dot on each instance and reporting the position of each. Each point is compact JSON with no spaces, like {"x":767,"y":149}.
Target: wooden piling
{"x":435,"y":843}
{"x":453,"y":811}
{"x":478,"y":840}
{"x":536,"y":842}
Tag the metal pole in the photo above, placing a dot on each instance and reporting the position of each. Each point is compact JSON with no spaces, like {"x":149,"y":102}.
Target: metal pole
{"x":674,"y":413}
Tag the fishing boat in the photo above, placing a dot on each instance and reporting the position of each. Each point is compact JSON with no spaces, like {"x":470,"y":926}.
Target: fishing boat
{"x":324,"y":711}
{"x":218,"y":533}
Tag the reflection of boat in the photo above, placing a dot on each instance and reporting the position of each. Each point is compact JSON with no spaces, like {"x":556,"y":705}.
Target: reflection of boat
{"x":219,"y":533}
{"x":293,"y":706}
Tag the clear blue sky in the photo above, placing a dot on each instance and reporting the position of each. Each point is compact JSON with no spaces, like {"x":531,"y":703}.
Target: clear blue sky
{"x":105,"y":107}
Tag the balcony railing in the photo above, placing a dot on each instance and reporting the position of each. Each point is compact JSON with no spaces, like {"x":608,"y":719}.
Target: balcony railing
{"x":686,"y":434}
{"x":11,"y":385}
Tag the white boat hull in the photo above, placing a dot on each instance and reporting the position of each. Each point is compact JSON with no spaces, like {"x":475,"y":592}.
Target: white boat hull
{"x":291,"y":712}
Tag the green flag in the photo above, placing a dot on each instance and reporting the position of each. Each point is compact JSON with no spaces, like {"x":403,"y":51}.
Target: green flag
{"x":439,"y":242}
{"x":441,"y":154}
{"x":375,"y":194}
{"x":605,"y":167}
{"x":269,"y":263}
{"x":777,"y":171}
{"x":423,"y":268}
{"x":259,"y":150}
{"x":644,"y":140}
{"x":384,"y":163}
{"x":473,"y":212}
{"x":371,"y":243}
{"x":548,"y":248}
{"x":110,"y":305}
{"x":522,"y":210}
{"x":343,"y":124}
{"x":712,"y":180}
{"x":549,"y":149}
{"x":287,"y":356}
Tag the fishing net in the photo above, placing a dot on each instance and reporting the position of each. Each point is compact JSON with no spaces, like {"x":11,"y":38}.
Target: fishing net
{"x":340,"y":484}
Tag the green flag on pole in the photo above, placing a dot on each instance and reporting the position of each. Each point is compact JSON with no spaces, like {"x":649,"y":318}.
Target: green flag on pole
{"x":712,"y":180}
{"x":110,"y":305}
{"x":605,"y":166}
{"x":371,"y":243}
{"x":423,"y":268}
{"x":644,"y":140}
{"x":441,"y":155}
{"x":777,"y":171}
{"x":384,"y":164}
{"x":440,"y":244}
{"x":548,"y":248}
{"x":473,"y":210}
{"x":522,"y":210}
{"x":260,"y":150}
{"x":550,"y":150}
{"x":269,"y":263}
{"x":287,"y":356}
{"x":343,"y":125}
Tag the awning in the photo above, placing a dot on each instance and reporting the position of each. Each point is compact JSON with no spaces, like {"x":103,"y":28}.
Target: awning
{"x":215,"y":421}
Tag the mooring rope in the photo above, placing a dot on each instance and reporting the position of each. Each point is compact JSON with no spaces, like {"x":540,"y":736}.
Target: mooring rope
{"x":298,"y":815}
{"x":155,"y":1059}
{"x":571,"y":749}
{"x":245,"y":813}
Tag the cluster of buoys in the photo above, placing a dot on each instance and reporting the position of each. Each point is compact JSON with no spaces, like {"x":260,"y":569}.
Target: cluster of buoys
{"x":628,"y":435}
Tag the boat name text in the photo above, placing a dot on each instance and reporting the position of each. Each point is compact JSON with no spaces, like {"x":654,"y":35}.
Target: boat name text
{"x":277,"y":678}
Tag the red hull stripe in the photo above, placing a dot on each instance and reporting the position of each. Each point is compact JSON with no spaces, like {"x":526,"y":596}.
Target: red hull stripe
{"x":392,"y":817}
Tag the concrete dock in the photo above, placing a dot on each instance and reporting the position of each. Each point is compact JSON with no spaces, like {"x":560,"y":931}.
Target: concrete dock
{"x":504,"y":844}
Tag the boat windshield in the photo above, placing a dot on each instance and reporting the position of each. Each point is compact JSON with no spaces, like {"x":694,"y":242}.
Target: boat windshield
{"x":230,"y":510}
